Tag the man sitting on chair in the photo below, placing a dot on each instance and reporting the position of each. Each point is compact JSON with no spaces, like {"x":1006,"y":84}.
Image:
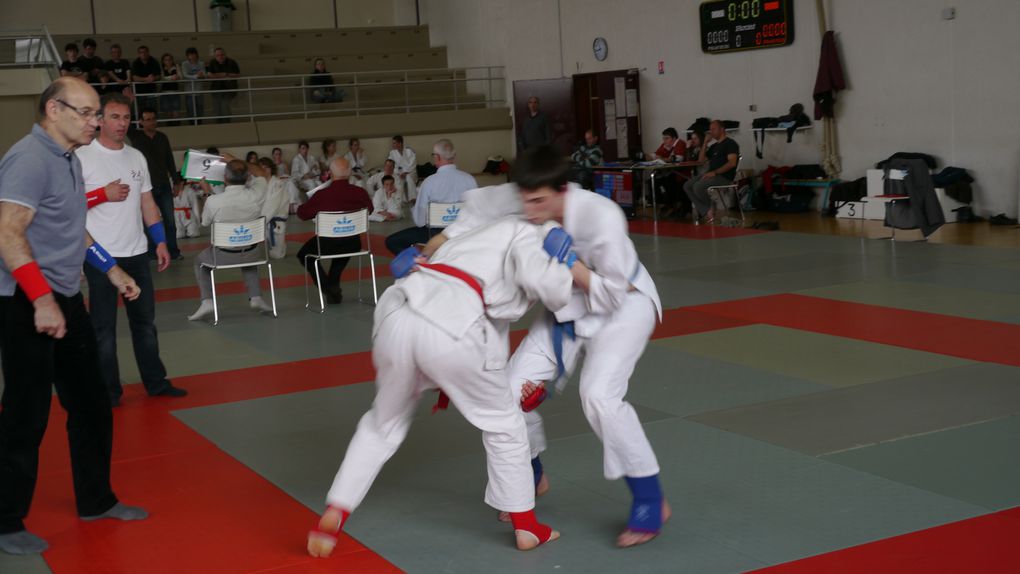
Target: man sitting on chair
{"x":237,"y":203}
{"x":447,"y":185}
{"x":722,"y":157}
{"x":341,"y":195}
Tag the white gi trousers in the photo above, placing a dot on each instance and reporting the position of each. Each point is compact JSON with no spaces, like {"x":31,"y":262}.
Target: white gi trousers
{"x":410,"y":355}
{"x":409,"y":181}
{"x":610,"y":357}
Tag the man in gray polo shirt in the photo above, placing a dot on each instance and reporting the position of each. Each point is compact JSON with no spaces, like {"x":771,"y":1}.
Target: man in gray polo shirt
{"x":46,"y":337}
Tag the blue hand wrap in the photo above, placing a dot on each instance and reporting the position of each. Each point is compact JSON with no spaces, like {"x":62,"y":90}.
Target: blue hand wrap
{"x":157,"y":232}
{"x":560,"y":330}
{"x":646,"y":510}
{"x":557,"y":243}
{"x":403,"y":263}
{"x":571,"y":259}
{"x":97,"y":257}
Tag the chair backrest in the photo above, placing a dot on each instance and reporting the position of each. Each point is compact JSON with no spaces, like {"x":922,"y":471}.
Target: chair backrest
{"x":238,"y":234}
{"x":443,"y":214}
{"x":341,"y":223}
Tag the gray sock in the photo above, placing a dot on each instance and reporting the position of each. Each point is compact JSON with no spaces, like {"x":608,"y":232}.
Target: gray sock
{"x":23,"y":542}
{"x":120,"y":512}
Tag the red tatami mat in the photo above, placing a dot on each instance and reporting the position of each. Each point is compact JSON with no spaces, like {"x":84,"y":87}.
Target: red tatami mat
{"x":973,"y":339}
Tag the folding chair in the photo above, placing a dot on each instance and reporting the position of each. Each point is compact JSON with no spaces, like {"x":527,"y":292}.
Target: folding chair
{"x":243,"y":235}
{"x":332,"y":224}
{"x":442,"y":215}
{"x":718,"y":193}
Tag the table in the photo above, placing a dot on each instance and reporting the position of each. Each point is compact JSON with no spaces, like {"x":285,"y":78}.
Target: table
{"x":653,"y":169}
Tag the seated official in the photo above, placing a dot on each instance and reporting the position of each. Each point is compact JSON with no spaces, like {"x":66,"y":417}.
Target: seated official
{"x":237,"y":203}
{"x":389,"y":205}
{"x":341,"y":195}
{"x":587,"y":156}
{"x":447,"y":185}
{"x":722,"y":157}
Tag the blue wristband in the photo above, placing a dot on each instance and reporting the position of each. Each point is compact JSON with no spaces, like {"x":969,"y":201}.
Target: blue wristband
{"x":157,"y":232}
{"x":571,"y":259}
{"x":97,"y":257}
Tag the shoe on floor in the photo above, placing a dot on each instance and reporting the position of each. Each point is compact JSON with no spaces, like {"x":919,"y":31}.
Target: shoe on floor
{"x":171,"y":391}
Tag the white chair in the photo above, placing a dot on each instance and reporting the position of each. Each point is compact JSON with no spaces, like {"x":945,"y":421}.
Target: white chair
{"x":245,"y":235}
{"x":442,"y":215}
{"x":333,"y":224}
{"x":718,"y":193}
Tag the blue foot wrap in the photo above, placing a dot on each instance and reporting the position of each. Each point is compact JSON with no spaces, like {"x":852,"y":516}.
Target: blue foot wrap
{"x":536,"y":467}
{"x":646,"y":510}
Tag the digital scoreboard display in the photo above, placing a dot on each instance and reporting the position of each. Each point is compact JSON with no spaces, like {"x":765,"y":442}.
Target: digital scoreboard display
{"x":733,"y":25}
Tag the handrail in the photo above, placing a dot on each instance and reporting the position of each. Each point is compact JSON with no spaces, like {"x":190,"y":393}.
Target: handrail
{"x":480,"y":87}
{"x":33,"y":48}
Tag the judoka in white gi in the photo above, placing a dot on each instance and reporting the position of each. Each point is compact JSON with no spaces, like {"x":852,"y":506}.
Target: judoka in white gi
{"x":304,"y":175}
{"x":186,"y":214}
{"x":611,"y":325}
{"x":389,"y":205}
{"x":448,"y":324}
{"x":406,"y":164}
{"x":275,"y":208}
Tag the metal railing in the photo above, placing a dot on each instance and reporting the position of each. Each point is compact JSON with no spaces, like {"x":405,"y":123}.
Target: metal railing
{"x":293,"y":96}
{"x":29,"y":49}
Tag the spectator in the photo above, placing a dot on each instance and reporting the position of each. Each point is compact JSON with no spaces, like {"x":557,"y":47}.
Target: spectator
{"x":224,"y":88}
{"x":120,"y":226}
{"x":339,"y":196}
{"x":387,"y":202}
{"x":536,"y":129}
{"x":329,"y":153}
{"x":235,"y":204}
{"x":194,"y":69}
{"x":359,"y":162}
{"x":722,"y":156}
{"x":186,"y":211}
{"x":671,"y":150}
{"x":251,"y":157}
{"x":406,"y":166}
{"x":375,"y":182}
{"x":587,"y":156}
{"x":155,"y":146}
{"x":323,"y":89}
{"x":304,"y":174}
{"x":275,"y":208}
{"x":280,"y":166}
{"x":170,"y":101}
{"x":118,"y":72}
{"x":144,"y":72}
{"x":92,"y":63}
{"x":447,"y":185}
{"x":72,"y":66}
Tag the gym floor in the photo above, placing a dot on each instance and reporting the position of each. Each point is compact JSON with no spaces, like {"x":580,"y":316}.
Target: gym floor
{"x":820,"y":401}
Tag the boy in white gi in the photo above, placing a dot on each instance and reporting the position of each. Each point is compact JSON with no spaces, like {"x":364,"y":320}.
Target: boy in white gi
{"x":275,"y":208}
{"x":406,"y":165}
{"x":389,"y":206}
{"x":186,"y":213}
{"x":448,"y":324}
{"x":611,"y":325}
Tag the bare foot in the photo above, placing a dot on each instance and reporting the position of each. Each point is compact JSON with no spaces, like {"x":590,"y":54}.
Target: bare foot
{"x":629,"y":538}
{"x":322,"y":541}
{"x":528,"y":541}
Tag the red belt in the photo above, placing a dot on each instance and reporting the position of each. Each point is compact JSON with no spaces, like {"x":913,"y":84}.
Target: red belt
{"x":443,"y":402}
{"x":186,"y":210}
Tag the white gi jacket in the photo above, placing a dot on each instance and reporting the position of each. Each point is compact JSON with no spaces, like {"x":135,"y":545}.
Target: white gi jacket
{"x":393,"y":204}
{"x":507,"y":259}
{"x":406,"y":162}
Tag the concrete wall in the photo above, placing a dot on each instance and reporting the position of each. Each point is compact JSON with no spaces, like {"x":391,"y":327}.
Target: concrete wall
{"x":917,"y":82}
{"x":132,"y":16}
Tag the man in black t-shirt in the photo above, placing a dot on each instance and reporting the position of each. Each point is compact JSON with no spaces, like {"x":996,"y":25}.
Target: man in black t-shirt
{"x":71,"y":65}
{"x":144,"y":71}
{"x":92,"y":64}
{"x":722,"y":158}
{"x":118,"y":71}
{"x":222,"y":67}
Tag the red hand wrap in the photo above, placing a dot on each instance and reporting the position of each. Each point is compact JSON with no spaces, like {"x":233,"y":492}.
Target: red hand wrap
{"x":31,"y":280}
{"x":95,"y":197}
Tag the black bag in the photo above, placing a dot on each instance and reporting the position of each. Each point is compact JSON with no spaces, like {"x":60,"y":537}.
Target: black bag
{"x":730,"y":124}
{"x":758,"y":127}
{"x":929,"y":160}
{"x":699,"y":125}
{"x":764,"y":123}
{"x":806,"y":171}
{"x":426,"y":169}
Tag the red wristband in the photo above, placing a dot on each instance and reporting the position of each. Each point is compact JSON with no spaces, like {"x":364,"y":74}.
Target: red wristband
{"x":31,"y":280}
{"x":95,"y":197}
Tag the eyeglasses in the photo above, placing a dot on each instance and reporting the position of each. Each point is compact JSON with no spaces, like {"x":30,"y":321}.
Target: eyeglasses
{"x":86,"y":114}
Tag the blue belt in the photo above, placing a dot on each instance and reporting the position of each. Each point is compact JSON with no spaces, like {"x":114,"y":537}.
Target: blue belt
{"x":559,"y":330}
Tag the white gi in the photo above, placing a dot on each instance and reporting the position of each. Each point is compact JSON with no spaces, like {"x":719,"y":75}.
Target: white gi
{"x":374,"y":183}
{"x":186,"y":213}
{"x":391,"y":204}
{"x":613,"y":323}
{"x":432,"y":329}
{"x":406,"y":171}
{"x":359,"y":167}
{"x":299,"y":168}
{"x":275,"y":208}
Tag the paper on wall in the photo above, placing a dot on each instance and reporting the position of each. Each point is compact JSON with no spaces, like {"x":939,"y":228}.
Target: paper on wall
{"x":610,"y":112}
{"x":619,"y":93}
{"x":622,"y":150}
{"x":632,"y":103}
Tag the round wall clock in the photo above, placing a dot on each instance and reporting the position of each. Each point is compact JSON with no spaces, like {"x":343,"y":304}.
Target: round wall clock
{"x":601,"y":48}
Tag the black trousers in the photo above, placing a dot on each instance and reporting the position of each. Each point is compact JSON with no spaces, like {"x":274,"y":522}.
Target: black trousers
{"x":405,"y":238}
{"x":32,"y":365}
{"x":163,"y":195}
{"x":330,"y":246}
{"x":141,"y":314}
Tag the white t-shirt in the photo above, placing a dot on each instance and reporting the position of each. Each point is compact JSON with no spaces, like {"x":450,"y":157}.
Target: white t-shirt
{"x":116,"y":225}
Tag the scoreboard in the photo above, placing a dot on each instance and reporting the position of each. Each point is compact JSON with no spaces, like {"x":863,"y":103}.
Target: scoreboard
{"x":734,"y":25}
